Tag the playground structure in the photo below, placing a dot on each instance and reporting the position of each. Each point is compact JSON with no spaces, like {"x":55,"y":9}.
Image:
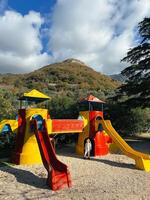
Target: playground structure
{"x":34,"y":125}
{"x":27,"y":150}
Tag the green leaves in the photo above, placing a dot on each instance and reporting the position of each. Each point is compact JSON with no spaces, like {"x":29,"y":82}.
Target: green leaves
{"x":131,"y":104}
{"x":144,"y":29}
{"x":137,"y":86}
{"x":8,"y":109}
{"x":63,"y":107}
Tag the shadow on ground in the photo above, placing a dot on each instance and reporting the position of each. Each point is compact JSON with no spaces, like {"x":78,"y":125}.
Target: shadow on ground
{"x":24,"y":176}
{"x":114,"y":164}
{"x":139,"y":144}
{"x":69,"y":151}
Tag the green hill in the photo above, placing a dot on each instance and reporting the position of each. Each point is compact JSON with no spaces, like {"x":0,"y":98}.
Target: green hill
{"x":70,"y":80}
{"x":69,"y":76}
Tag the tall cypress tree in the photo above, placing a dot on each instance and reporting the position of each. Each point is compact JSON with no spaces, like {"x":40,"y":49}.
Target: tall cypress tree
{"x":137,"y":86}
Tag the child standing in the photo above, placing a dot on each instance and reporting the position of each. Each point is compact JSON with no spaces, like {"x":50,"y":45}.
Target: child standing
{"x":88,"y":148}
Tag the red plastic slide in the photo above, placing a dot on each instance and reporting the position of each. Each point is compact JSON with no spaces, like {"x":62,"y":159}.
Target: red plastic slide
{"x":58,"y":174}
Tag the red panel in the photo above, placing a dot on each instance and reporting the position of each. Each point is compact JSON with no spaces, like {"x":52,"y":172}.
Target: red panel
{"x":58,"y":174}
{"x":67,"y":125}
{"x":101,"y":147}
{"x":93,"y":115}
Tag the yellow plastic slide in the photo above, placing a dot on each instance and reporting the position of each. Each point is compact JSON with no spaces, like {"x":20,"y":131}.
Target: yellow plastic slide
{"x":142,"y":161}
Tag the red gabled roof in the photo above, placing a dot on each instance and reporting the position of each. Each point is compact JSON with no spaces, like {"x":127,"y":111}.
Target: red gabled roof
{"x":92,"y":98}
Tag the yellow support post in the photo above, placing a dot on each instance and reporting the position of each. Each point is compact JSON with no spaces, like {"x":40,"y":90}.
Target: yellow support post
{"x":85,"y":134}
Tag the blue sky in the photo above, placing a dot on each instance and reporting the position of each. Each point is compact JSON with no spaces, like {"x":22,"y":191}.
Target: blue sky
{"x":44,"y":7}
{"x":24,"y":6}
{"x":39,"y":32}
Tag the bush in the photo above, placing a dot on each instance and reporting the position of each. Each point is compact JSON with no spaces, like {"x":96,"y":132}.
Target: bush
{"x":140,"y":120}
{"x":129,"y":122}
{"x":63,"y":107}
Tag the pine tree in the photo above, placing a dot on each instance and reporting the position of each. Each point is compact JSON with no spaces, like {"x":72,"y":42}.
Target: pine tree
{"x":137,"y":86}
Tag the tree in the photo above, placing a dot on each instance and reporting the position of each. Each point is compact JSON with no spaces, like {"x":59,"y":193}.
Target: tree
{"x":137,"y":86}
{"x":8,"y":105}
{"x":63,"y":107}
{"x":140,"y":120}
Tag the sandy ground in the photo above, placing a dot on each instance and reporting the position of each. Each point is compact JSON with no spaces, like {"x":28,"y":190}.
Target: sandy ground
{"x":111,"y":177}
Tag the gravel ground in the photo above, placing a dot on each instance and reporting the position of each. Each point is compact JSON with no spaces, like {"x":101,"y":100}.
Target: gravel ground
{"x":111,"y":177}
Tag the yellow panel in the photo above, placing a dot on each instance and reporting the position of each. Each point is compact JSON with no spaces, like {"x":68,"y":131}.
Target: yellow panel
{"x":30,"y":152}
{"x":13,"y":124}
{"x":29,"y":114}
{"x":49,"y":126}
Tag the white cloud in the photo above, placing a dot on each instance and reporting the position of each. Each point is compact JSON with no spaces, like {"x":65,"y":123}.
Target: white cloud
{"x":20,"y":44}
{"x":97,"y":32}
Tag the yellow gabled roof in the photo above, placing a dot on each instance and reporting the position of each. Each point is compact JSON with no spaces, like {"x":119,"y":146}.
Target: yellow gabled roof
{"x":34,"y":94}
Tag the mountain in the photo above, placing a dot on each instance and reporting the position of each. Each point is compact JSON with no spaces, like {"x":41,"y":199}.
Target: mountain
{"x":66,"y":82}
{"x":71,"y":75}
{"x":118,"y":77}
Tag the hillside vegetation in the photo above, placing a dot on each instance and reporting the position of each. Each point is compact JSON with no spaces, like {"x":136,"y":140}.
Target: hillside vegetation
{"x":70,"y":76}
{"x":67,"y":81}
